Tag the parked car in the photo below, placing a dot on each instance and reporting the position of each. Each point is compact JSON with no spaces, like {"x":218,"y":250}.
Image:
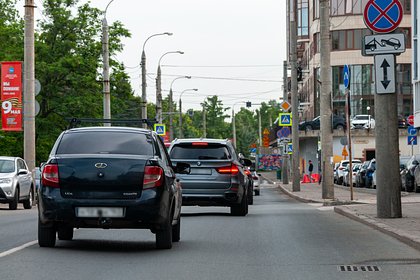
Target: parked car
{"x":362,"y":121}
{"x":16,"y":183}
{"x":250,"y":191}
{"x":340,"y":169}
{"x":346,"y":177}
{"x":315,"y":124}
{"x":125,"y":180}
{"x":361,"y":174}
{"x":336,"y":165}
{"x":369,"y":171}
{"x":407,"y":174}
{"x":217,"y":176}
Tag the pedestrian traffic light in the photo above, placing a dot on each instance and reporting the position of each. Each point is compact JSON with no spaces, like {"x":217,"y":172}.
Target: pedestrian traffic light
{"x":248,"y":104}
{"x":299,"y":74}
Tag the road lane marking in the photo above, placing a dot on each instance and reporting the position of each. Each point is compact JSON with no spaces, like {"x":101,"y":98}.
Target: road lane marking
{"x":16,"y":249}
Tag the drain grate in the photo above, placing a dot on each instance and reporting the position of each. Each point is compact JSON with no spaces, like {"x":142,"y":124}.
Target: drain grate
{"x":362,"y":268}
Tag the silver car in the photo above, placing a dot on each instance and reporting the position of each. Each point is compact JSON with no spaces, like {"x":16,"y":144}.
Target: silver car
{"x":16,"y":183}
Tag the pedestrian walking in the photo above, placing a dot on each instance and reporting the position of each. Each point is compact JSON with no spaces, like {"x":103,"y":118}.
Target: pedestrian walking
{"x":310,"y":169}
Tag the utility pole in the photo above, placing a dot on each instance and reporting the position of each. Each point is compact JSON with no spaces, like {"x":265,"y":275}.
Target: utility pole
{"x":325,"y":103}
{"x":204,"y":123}
{"x":159,"y":117}
{"x":233,"y":127}
{"x":285,"y":159}
{"x":294,"y":93}
{"x":29,"y":86}
{"x":105,"y":72}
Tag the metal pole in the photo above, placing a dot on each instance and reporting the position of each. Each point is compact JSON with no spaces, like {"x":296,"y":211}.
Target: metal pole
{"x":171,"y":119}
{"x":233,"y":126}
{"x":29,"y":86}
{"x":294,"y":93}
{"x":204,"y":123}
{"x":285,"y":157}
{"x":349,"y":142}
{"x":325,"y":102}
{"x":180,"y":118}
{"x":387,"y":155}
{"x":158,"y":96}
{"x":259,"y":127}
{"x":106,"y":88}
{"x":143,"y":88}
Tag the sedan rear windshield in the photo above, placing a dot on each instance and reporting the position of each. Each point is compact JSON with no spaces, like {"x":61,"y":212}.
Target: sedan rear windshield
{"x":106,"y":142}
{"x":200,"y":152}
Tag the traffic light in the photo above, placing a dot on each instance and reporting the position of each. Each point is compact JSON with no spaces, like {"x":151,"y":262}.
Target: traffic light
{"x":248,"y":104}
{"x":299,"y":74}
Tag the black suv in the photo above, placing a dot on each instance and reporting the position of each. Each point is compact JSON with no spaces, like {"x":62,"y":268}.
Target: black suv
{"x":109,"y":177}
{"x":315,"y":124}
{"x":217,"y":176}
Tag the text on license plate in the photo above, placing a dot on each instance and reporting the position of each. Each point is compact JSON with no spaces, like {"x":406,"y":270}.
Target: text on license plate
{"x":96,"y":212}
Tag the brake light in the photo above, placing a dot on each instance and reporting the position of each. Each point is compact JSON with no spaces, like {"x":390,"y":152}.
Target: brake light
{"x":199,"y":143}
{"x":233,"y":170}
{"x":247,"y":172}
{"x":50,"y":176}
{"x":153,"y":177}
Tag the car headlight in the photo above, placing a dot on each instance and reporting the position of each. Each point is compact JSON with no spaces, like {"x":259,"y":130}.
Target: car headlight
{"x":5,"y":181}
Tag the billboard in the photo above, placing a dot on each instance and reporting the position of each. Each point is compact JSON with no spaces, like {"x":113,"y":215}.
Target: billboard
{"x":11,"y":96}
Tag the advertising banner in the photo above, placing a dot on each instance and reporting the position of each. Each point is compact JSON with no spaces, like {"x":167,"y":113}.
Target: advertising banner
{"x":269,"y":162}
{"x":11,"y":96}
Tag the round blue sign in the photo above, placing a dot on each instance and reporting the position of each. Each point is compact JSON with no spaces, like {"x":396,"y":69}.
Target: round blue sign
{"x":383,"y":16}
{"x":346,"y":76}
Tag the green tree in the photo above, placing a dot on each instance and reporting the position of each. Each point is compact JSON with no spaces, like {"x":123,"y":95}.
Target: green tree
{"x":216,"y":115}
{"x":246,"y":123}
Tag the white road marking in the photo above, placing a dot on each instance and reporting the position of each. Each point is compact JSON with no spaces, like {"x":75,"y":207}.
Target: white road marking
{"x":16,"y":249}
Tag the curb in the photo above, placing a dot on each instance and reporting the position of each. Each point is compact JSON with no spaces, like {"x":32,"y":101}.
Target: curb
{"x":298,"y":198}
{"x":404,"y":237}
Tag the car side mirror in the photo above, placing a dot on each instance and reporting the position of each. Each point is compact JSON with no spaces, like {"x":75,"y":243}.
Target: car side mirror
{"x":182,"y":168}
{"x":246,"y":162}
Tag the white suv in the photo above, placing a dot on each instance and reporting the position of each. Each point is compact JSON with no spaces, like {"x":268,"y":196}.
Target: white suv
{"x":362,"y":121}
{"x":340,"y":169}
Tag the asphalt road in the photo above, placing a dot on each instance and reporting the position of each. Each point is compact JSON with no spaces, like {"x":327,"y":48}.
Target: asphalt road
{"x":279,"y":239}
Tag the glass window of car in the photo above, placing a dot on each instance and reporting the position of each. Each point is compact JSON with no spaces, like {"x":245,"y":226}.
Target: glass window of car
{"x":7,"y":166}
{"x":21,"y":164}
{"x":111,"y":143}
{"x":209,"y":151}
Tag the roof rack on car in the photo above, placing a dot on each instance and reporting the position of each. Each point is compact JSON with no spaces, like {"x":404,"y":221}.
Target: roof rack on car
{"x":75,"y":122}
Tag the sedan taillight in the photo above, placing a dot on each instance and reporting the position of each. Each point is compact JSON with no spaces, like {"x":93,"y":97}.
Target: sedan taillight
{"x":233,"y":170}
{"x":153,"y":177}
{"x":50,"y":176}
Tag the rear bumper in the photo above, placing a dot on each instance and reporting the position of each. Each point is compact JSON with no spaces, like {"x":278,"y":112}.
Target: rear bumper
{"x":211,"y":198}
{"x":149,"y":211}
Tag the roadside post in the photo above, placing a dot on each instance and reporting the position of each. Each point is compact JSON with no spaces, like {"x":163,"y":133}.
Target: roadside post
{"x":383,"y":17}
{"x":346,"y":75}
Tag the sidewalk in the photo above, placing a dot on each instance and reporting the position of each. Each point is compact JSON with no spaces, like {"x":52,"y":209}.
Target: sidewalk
{"x":362,"y":208}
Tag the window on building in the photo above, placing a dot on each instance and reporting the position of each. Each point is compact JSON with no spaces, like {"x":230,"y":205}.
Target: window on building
{"x":303,"y":18}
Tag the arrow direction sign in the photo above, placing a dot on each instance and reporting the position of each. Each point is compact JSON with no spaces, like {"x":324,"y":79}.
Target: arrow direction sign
{"x":385,"y":73}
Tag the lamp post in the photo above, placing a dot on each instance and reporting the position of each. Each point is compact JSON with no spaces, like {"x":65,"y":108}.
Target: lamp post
{"x":105,"y":71}
{"x":143,"y":78}
{"x":171,"y":119}
{"x":159,"y":88}
{"x":180,"y":110}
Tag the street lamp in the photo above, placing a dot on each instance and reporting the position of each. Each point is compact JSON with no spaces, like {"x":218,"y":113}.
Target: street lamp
{"x":171,"y":131}
{"x":143,"y":78}
{"x":159,"y":88}
{"x":180,"y":110}
{"x":105,"y":71}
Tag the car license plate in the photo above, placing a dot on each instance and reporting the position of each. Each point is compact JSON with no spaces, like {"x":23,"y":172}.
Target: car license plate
{"x":97,"y":212}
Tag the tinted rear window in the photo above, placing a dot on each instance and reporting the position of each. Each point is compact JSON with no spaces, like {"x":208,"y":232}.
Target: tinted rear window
{"x":106,"y":142}
{"x":200,"y":152}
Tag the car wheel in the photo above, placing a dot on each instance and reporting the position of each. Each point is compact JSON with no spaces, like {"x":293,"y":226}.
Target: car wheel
{"x":14,"y":203}
{"x":241,"y":209}
{"x":339,"y":181}
{"x":257,"y":192}
{"x":409,"y":184}
{"x":27,"y":204}
{"x":164,"y":236}
{"x":340,"y":127}
{"x":46,"y":235}
{"x":65,"y":233}
{"x":176,"y":231}
{"x":308,"y":128}
{"x":250,"y":196}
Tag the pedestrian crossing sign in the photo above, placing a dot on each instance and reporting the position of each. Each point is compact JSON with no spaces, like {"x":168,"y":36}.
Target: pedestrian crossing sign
{"x":285,"y":119}
{"x":160,"y":129}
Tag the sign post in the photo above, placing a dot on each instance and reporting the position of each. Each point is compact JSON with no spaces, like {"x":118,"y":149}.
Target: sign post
{"x":346,"y":76}
{"x":383,"y":17}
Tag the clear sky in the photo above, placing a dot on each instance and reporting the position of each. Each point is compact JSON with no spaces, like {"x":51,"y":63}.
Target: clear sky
{"x":233,"y":48}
